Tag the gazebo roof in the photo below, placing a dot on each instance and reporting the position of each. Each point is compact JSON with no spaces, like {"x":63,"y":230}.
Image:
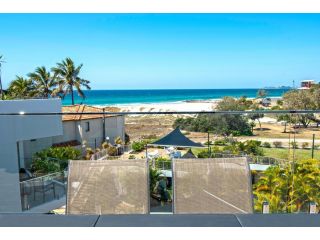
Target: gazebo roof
{"x":177,"y":139}
{"x":189,"y":154}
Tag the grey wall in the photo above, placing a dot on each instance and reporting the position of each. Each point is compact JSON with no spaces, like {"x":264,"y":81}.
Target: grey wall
{"x":15,"y":129}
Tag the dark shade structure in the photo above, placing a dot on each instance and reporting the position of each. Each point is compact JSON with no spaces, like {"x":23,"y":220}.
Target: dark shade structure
{"x":177,"y":139}
{"x":189,"y":154}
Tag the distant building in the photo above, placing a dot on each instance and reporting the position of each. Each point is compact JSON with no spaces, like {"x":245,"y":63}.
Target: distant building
{"x":266,"y":102}
{"x":78,"y":129}
{"x":306,"y":84}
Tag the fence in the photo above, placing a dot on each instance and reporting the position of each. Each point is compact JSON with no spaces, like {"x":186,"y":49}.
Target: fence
{"x":40,"y":190}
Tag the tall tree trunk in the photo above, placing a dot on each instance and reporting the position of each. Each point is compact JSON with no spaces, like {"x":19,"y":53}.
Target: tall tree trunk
{"x":72,"y":97}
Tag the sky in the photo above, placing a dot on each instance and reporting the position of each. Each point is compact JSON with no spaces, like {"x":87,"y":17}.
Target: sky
{"x":166,"y":51}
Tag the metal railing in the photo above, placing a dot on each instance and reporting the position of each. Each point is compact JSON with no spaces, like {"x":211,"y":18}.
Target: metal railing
{"x":37,"y":191}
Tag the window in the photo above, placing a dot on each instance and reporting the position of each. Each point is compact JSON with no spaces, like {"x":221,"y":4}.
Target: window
{"x":87,"y":126}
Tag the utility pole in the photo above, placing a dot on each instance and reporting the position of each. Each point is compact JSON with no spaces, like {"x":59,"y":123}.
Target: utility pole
{"x":208,"y":142}
{"x":312,"y":151}
{"x":104,"y":126}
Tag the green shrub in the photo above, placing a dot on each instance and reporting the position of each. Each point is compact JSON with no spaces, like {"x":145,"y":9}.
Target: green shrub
{"x":112,"y":151}
{"x":118,"y":140}
{"x":266,"y":145}
{"x":253,"y":147}
{"x":105,"y":145}
{"x":294,"y":145}
{"x":138,"y":146}
{"x":204,"y":154}
{"x":132,"y":157}
{"x":277,"y":144}
{"x":215,"y":149}
{"x":305,"y":145}
{"x":220,"y":142}
{"x":250,"y":147}
{"x":45,"y":166}
{"x":53,"y":159}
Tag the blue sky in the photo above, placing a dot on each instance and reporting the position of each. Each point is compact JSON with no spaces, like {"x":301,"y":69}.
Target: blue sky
{"x":159,"y":51}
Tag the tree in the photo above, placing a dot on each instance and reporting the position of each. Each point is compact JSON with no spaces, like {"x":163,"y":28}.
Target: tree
{"x":222,"y":123}
{"x":307,"y":99}
{"x":232,"y":104}
{"x":68,"y":76}
{"x":21,"y":88}
{"x":45,"y":84}
{"x":262,"y":93}
{"x":257,"y":116}
{"x":219,"y":124}
{"x":252,"y":125}
{"x":1,"y":90}
{"x":289,"y":189}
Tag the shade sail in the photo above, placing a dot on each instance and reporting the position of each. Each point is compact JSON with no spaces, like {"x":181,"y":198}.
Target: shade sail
{"x":108,"y":187}
{"x":176,"y":138}
{"x":216,"y":185}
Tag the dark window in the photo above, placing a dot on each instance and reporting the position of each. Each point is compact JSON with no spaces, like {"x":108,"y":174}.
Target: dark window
{"x":87,"y":126}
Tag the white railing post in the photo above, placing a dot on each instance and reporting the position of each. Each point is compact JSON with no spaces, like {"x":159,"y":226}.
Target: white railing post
{"x":312,"y":208}
{"x":265,"y":207}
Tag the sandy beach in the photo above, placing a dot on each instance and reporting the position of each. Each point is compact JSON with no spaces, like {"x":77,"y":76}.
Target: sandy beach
{"x":171,"y":106}
{"x":192,"y":105}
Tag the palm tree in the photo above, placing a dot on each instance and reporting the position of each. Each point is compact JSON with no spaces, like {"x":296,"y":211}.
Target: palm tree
{"x":262,"y":93}
{"x":45,"y":84}
{"x":289,"y":189}
{"x":68,"y":77}
{"x":1,"y":90}
{"x":21,"y":88}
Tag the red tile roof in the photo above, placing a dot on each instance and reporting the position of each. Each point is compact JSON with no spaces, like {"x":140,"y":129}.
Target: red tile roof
{"x":79,"y":108}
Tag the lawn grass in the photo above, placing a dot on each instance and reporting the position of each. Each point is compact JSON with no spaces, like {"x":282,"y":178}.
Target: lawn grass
{"x":279,"y":153}
{"x":283,"y":153}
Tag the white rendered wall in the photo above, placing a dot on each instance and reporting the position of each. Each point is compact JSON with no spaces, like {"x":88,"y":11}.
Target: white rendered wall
{"x":115,"y":127}
{"x":20,"y":128}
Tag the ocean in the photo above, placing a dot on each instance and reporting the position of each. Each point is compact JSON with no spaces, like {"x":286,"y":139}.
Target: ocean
{"x":119,"y":97}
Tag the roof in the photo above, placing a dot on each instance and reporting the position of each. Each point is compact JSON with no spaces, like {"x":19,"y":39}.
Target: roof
{"x":189,"y":154}
{"x":176,"y":138}
{"x":80,"y":108}
{"x":308,"y":80}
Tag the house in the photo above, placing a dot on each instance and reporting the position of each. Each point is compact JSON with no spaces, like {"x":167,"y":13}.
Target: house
{"x":306,"y":84}
{"x":15,"y":130}
{"x":81,"y":130}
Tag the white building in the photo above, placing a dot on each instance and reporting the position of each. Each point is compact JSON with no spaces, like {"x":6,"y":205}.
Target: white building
{"x":14,"y":131}
{"x":23,"y":135}
{"x":77,"y":129}
{"x":307,"y":84}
